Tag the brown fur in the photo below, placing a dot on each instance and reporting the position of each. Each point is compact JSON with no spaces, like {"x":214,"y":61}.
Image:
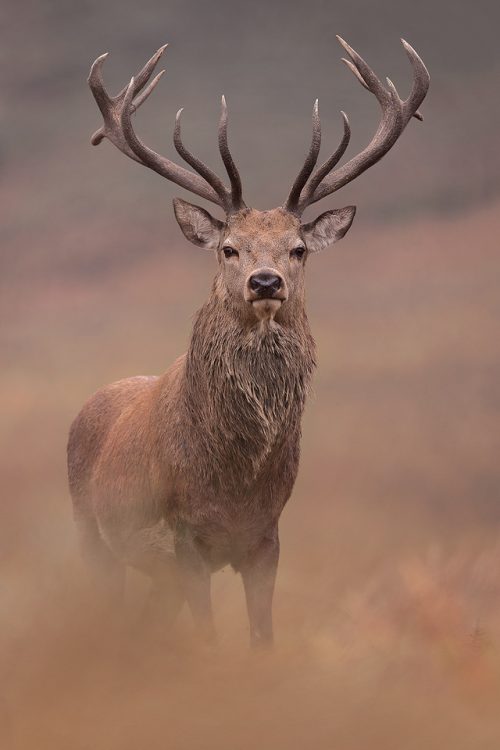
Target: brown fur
{"x":204,"y":457}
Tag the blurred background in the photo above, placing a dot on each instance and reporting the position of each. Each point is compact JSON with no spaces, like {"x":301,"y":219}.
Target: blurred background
{"x":388,"y":596}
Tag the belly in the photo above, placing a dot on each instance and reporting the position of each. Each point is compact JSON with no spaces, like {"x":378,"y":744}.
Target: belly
{"x":226,"y":532}
{"x":148,"y":548}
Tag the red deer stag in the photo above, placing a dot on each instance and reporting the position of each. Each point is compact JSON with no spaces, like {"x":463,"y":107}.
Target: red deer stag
{"x":181,"y":474}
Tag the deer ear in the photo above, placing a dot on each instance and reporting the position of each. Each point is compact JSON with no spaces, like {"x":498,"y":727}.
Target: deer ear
{"x":198,"y":226}
{"x":328,"y":228}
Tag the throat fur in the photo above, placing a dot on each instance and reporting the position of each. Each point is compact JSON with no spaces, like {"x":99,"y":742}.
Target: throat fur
{"x":246,"y":389}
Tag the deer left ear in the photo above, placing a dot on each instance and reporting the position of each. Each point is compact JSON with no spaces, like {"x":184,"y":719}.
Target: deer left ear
{"x":328,"y":228}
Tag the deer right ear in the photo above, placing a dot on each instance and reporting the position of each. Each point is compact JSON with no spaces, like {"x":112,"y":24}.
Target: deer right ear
{"x":198,"y":226}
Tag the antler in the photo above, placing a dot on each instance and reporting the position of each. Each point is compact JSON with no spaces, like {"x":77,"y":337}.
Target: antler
{"x":117,"y":113}
{"x":396,"y":113}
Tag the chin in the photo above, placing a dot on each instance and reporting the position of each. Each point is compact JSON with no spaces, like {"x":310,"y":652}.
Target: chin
{"x":266,"y":309}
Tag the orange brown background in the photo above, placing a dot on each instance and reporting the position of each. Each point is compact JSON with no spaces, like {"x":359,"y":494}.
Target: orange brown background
{"x":388,"y":596}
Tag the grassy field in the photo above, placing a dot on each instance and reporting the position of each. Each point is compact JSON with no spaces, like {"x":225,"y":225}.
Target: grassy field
{"x":388,"y":597}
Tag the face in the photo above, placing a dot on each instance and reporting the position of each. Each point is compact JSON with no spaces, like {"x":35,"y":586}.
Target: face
{"x":262,"y":255}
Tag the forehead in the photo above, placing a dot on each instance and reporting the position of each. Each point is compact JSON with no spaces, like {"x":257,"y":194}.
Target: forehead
{"x":274,"y":224}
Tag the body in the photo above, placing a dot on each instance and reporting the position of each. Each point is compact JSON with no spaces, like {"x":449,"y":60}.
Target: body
{"x":181,"y":474}
{"x":196,"y":465}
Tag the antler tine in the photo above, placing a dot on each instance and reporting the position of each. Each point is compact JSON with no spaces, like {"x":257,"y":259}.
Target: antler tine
{"x":421,"y":81}
{"x":117,"y":112}
{"x":364,"y":73}
{"x":330,"y":163}
{"x":355,"y":72}
{"x":143,"y":76}
{"x":231,"y":169}
{"x":96,"y":84}
{"x":292,"y":201}
{"x":213,"y":180}
{"x":396,"y":114}
{"x":146,"y":91}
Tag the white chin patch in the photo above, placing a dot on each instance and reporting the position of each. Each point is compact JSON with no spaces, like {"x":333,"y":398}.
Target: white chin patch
{"x":266,"y":309}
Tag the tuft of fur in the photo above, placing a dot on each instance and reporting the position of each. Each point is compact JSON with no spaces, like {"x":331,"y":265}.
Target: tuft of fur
{"x":243,"y":395}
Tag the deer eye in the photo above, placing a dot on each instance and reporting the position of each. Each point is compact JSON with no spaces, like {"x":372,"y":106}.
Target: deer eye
{"x":298,"y":252}
{"x":230,"y":252}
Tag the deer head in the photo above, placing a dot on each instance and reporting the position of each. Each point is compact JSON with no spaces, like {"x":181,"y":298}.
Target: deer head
{"x":261,"y":254}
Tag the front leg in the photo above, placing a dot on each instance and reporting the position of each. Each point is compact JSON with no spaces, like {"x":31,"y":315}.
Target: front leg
{"x":195,"y":578}
{"x":259,"y":574}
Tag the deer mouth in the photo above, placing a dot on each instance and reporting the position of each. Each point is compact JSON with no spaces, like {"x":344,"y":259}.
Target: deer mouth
{"x":266,"y":307}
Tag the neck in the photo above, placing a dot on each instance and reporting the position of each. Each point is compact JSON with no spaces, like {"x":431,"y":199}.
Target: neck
{"x":244,"y":390}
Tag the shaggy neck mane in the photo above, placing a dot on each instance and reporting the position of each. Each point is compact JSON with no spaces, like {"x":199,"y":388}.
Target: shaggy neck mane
{"x":243,"y":393}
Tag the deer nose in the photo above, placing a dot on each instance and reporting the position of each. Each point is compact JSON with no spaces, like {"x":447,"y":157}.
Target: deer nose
{"x":265,"y":283}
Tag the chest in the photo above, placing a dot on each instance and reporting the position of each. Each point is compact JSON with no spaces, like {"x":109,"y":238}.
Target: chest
{"x":231,"y":509}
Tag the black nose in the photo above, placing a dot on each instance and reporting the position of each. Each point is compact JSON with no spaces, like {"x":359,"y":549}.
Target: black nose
{"x":265,"y":284}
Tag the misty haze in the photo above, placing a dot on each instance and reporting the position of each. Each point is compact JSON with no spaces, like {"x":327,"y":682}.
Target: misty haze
{"x":387,"y":601}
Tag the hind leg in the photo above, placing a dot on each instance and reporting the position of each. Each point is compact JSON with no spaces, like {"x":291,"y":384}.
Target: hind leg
{"x":151,"y":551}
{"x":106,"y":571}
{"x":164,"y":602}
